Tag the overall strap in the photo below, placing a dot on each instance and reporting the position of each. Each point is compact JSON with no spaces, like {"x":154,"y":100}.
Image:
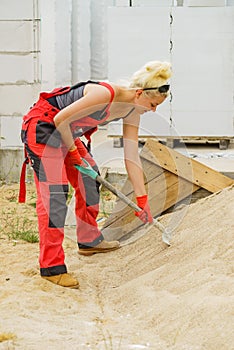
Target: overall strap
{"x":91,"y":131}
{"x":22,"y":189}
{"x":110,"y":88}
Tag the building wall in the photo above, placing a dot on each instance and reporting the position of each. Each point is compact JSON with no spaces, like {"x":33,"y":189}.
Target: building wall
{"x":48,"y":43}
{"x":198,"y":40}
{"x":20,"y":75}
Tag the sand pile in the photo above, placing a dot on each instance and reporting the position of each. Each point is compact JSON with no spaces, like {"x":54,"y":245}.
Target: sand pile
{"x":143,"y":296}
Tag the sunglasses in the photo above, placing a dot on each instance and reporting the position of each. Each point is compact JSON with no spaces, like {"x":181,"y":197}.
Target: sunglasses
{"x":162,"y":89}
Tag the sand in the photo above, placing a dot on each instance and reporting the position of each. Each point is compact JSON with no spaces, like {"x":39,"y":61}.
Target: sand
{"x":143,"y":296}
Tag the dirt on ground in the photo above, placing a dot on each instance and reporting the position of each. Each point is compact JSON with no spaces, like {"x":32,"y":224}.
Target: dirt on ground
{"x":143,"y":296}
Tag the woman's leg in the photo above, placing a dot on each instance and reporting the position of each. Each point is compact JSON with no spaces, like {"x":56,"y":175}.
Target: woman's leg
{"x":52,"y":189}
{"x":89,"y":237}
{"x":87,"y":200}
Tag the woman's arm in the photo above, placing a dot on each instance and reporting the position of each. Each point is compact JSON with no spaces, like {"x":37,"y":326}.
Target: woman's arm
{"x":131,"y":154}
{"x":95,"y":97}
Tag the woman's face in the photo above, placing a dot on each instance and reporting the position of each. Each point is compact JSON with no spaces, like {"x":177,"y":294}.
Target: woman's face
{"x":147,"y":103}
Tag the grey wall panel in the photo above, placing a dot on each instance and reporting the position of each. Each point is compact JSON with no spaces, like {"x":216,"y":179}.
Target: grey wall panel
{"x":98,"y":39}
{"x":142,"y":36}
{"x":55,"y":43}
{"x":81,"y":19}
{"x":18,"y":36}
{"x":203,"y":61}
{"x":202,"y":54}
{"x":12,"y":9}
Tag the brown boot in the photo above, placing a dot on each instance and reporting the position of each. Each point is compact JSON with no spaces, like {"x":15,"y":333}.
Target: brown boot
{"x":64,"y":280}
{"x":103,"y":247}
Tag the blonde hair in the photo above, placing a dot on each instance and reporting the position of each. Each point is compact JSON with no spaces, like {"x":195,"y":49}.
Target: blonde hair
{"x":152,"y":74}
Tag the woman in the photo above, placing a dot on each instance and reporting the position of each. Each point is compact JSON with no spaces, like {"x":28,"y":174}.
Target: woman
{"x":51,"y":133}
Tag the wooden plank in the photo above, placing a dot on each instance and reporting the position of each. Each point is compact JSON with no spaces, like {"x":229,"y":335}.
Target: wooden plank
{"x":150,"y":172}
{"x":164,"y":191}
{"x":160,"y":196}
{"x":170,"y":177}
{"x":182,"y":166}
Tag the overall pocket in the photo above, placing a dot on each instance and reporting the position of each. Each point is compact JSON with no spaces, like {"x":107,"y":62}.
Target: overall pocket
{"x":47,"y":134}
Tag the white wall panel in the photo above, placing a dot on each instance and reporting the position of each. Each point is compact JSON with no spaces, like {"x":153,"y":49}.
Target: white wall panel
{"x":80,"y":40}
{"x":13,"y":9}
{"x":203,"y":66}
{"x":15,"y":75}
{"x":203,"y":123}
{"x":142,"y":36}
{"x":19,"y":68}
{"x":98,"y":39}
{"x":205,"y":3}
{"x":202,"y":58}
{"x":120,"y":2}
{"x":17,"y":98}
{"x":16,"y":36}
{"x":12,"y":138}
{"x":154,"y":3}
{"x":48,"y":42}
{"x":55,"y":43}
{"x":63,"y":42}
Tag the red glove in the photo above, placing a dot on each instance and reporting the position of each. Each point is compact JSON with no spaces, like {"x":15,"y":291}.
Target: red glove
{"x":73,"y":157}
{"x":145,"y":214}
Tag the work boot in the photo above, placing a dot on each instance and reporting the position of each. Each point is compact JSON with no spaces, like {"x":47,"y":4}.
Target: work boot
{"x":63,"y":280}
{"x":103,"y":247}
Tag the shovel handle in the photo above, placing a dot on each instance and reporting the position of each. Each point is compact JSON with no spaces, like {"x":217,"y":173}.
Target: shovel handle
{"x":88,"y":170}
{"x":119,"y":194}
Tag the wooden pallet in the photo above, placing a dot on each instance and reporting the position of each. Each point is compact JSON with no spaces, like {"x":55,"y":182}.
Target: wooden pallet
{"x":172,"y":141}
{"x":169,"y":178}
{"x":223,"y":141}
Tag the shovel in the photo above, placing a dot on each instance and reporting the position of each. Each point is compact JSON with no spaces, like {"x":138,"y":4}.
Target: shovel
{"x":88,"y":170}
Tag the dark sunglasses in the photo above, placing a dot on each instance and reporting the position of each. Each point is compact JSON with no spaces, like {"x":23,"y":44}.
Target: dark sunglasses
{"x":162,"y":89}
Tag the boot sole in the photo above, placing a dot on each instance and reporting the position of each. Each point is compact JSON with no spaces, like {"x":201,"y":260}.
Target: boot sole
{"x":91,"y":251}
{"x":75,"y":286}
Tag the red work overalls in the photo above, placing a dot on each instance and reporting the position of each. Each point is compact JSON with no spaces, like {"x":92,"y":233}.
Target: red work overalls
{"x":47,"y":155}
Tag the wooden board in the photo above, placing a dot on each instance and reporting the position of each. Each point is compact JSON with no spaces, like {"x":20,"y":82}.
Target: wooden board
{"x":164,"y":190}
{"x":187,"y":168}
{"x":169,"y":178}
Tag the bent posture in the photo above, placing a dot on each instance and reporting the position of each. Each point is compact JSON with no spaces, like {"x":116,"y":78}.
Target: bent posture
{"x":52,"y":132}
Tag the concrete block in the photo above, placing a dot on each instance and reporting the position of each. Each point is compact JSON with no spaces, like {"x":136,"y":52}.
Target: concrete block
{"x":98,"y":40}
{"x":121,"y":3}
{"x":203,"y":123}
{"x":205,"y":3}
{"x":63,"y":42}
{"x":18,"y":36}
{"x":17,"y":98}
{"x":160,"y":3}
{"x":56,"y":54}
{"x":11,"y":161}
{"x":139,"y":25}
{"x":48,"y":44}
{"x":18,"y":68}
{"x":81,"y":53}
{"x":12,"y":9}
{"x":203,"y":56}
{"x":10,"y":131}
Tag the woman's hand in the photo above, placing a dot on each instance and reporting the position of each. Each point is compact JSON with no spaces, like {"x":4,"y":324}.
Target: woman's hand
{"x":145,"y":214}
{"x":73,"y":157}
